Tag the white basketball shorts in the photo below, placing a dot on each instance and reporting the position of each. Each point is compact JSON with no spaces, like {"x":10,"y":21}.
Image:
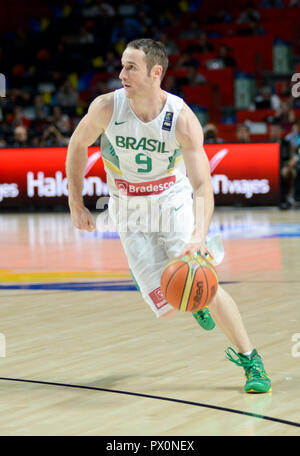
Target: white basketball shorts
{"x":154,"y":230}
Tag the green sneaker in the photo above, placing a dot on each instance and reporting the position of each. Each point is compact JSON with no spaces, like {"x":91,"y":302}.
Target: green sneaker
{"x":204,"y":319}
{"x":257,"y":380}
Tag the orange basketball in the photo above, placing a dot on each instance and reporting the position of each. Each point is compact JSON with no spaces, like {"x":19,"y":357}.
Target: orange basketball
{"x":189,"y":283}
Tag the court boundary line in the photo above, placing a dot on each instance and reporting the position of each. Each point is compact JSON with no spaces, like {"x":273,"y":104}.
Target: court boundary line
{"x":150,"y":396}
{"x":118,"y":285}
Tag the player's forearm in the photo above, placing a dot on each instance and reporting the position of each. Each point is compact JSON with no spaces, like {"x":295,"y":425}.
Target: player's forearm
{"x":75,"y":168}
{"x":203,"y":205}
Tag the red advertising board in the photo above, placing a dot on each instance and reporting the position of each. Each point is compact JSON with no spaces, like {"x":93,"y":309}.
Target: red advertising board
{"x":37,"y":176}
{"x":241,"y":173}
{"x":245,"y":173}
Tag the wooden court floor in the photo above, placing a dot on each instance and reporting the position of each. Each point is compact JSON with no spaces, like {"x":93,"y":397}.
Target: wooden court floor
{"x":82,"y":354}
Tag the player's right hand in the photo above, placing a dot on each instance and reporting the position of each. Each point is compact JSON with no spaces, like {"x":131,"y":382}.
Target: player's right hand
{"x":82,"y":218}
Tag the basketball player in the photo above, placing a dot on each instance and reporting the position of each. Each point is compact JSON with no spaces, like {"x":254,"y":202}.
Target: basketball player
{"x":150,"y":142}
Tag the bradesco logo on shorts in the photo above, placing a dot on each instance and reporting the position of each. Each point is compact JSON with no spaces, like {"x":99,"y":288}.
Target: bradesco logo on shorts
{"x":145,"y":188}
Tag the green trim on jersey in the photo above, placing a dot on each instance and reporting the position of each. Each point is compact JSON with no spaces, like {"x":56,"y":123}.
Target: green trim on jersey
{"x":174,"y":158}
{"x":110,"y":158}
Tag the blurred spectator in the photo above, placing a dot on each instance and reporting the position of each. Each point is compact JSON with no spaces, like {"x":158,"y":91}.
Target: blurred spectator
{"x":17,"y":97}
{"x":249,"y":14}
{"x":100,"y":9}
{"x":35,"y":141}
{"x":56,"y":114}
{"x":286,"y":88}
{"x":266,"y":100}
{"x":112,"y":62}
{"x":41,"y":110}
{"x":39,"y":124}
{"x":285,"y":115}
{"x":61,"y":121}
{"x":294,"y":135}
{"x":169,"y":44}
{"x":227,"y":59}
{"x":220,"y":17}
{"x":126,"y":29}
{"x":294,"y":3}
{"x":287,"y":166}
{"x":114,"y":82}
{"x":85,"y":37}
{"x":243,"y":133}
{"x":127,"y":8}
{"x":67,"y":96}
{"x":3,"y":143}
{"x":18,"y":117}
{"x":202,"y":45}
{"x":146,"y":21}
{"x":20,"y":138}
{"x":99,"y":89}
{"x":251,"y":28}
{"x":192,"y":77}
{"x":171,"y":84}
{"x":193,"y":31}
{"x":186,"y":61}
{"x":37,"y":113}
{"x":5,"y":130}
{"x":53,"y":137}
{"x":272,"y":4}
{"x":211,"y":134}
{"x":64,"y":125}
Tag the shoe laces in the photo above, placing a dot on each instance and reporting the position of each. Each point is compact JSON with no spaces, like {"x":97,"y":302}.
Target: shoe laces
{"x":252,"y":366}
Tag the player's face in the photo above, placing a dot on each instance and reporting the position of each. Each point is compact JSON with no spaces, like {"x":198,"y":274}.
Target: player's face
{"x":134,"y":75}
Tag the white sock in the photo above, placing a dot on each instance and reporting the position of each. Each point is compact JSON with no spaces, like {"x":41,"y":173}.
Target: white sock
{"x":247,"y":353}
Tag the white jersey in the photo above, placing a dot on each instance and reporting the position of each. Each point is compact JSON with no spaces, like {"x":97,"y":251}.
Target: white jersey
{"x":145,"y":159}
{"x":142,"y":158}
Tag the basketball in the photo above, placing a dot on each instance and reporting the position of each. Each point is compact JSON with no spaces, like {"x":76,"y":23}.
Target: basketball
{"x":189,"y":283}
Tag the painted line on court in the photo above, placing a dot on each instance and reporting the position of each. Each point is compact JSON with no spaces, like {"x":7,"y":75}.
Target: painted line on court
{"x":161,"y":398}
{"x":81,"y":286}
{"x":74,"y":286}
{"x":10,"y":276}
{"x":124,"y":285}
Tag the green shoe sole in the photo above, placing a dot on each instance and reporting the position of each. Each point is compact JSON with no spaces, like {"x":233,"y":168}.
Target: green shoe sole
{"x":258,"y":388}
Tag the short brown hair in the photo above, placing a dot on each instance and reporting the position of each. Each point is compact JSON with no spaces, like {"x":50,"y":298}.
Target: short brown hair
{"x":155,"y":53}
